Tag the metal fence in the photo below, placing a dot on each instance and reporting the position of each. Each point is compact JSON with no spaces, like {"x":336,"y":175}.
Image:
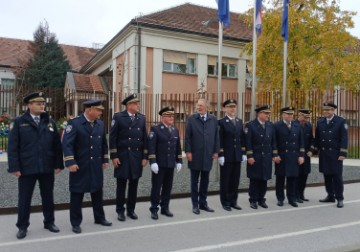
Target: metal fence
{"x":185,"y":104}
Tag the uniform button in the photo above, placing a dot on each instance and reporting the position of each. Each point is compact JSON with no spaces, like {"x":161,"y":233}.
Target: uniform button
{"x":91,"y":157}
{"x":286,"y":142}
{"x":234,"y":146}
{"x":139,"y":139}
{"x":168,"y":142}
{"x":262,"y":153}
{"x":323,"y":148}
{"x":129,"y":148}
{"x":329,"y":148}
{"x":137,"y":148}
{"x":129,"y":128}
{"x":91,"y":147}
{"x":286,"y":150}
{"x":329,"y":140}
{"x":168,"y":154}
{"x":168,"y":148}
{"x":90,"y":136}
{"x":294,"y":142}
{"x":129,"y":138}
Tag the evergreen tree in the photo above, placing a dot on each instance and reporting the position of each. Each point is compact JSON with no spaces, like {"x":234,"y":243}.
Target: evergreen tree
{"x":48,"y":66}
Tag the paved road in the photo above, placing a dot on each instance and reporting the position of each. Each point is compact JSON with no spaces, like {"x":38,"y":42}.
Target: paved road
{"x":311,"y":227}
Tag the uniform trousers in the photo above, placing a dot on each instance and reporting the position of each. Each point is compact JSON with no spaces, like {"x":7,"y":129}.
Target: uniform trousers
{"x":290,"y":188}
{"x":120,"y":194}
{"x":26,"y":185}
{"x":76,"y":200}
{"x":301,"y":184}
{"x":257,"y":190}
{"x":229,"y":183}
{"x":161,"y":188}
{"x":334,"y":186}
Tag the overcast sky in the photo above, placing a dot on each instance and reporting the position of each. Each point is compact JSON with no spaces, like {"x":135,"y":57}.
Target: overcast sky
{"x":84,"y":22}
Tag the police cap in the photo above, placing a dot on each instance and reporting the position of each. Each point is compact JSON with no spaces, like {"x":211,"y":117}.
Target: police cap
{"x":329,"y":105}
{"x":229,"y":103}
{"x":305,"y":112}
{"x":288,"y":110}
{"x":130,"y":99}
{"x":34,"y":97}
{"x":167,"y":111}
{"x":93,"y":104}
{"x":265,"y":108}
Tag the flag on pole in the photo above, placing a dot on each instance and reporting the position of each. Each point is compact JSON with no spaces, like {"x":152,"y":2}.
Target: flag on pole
{"x":285,"y":21}
{"x":223,"y":12}
{"x":258,"y":19}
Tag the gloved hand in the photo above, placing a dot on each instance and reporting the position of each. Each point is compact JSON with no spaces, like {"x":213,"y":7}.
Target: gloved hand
{"x":244,"y":158}
{"x":221,"y":161}
{"x":178,"y":167}
{"x":155,"y":168}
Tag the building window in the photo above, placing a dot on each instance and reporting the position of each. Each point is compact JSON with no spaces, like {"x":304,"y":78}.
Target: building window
{"x":7,"y":82}
{"x":178,"y":62}
{"x":229,"y":67}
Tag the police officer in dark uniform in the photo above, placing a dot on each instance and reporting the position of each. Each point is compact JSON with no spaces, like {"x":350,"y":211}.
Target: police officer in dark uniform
{"x":305,"y":168}
{"x":165,"y":155}
{"x":34,"y":154}
{"x":86,"y":155}
{"x":128,"y":151}
{"x":290,"y":145}
{"x":261,"y":150}
{"x":232,"y":152}
{"x":331,"y":140}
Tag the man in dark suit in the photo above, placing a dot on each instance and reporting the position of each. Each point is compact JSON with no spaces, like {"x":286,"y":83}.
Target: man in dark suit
{"x":290,"y":146}
{"x":128,"y":152}
{"x":86,"y":155}
{"x":201,"y":147}
{"x":261,"y":150}
{"x":305,"y":168}
{"x":331,"y":140}
{"x":34,"y":154}
{"x":165,"y":155}
{"x":232,"y":152}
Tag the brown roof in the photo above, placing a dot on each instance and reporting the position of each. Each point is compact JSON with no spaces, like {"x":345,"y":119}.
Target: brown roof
{"x":15,"y":51}
{"x":189,"y":18}
{"x":86,"y":82}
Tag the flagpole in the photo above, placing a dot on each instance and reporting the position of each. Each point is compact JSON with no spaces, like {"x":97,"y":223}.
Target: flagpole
{"x":253,"y":89}
{"x":284,"y":74}
{"x":219,"y":70}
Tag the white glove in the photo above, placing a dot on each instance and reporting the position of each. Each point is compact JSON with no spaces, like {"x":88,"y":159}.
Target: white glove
{"x":155,"y":168}
{"x":178,"y":167}
{"x":244,"y":158}
{"x":221,"y":160}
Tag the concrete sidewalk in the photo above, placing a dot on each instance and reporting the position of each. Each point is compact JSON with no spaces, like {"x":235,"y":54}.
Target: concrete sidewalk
{"x":313,"y":226}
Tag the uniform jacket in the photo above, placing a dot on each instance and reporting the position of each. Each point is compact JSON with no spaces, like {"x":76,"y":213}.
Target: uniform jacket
{"x":202,"y":140}
{"x":164,"y":147}
{"x":290,"y":145}
{"x":309,"y":146}
{"x":129,"y":143}
{"x":331,"y":141}
{"x":87,"y":147}
{"x":232,"y":139}
{"x":34,"y":149}
{"x":260,"y":145}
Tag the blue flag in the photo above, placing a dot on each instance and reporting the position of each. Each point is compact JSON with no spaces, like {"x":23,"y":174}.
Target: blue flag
{"x":223,"y":12}
{"x":285,"y":21}
{"x":258,"y":19}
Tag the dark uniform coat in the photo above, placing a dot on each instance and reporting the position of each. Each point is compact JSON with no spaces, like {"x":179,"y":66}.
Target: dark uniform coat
{"x":309,"y":146}
{"x":232,"y":140}
{"x":331,"y":141}
{"x":202,"y":140}
{"x":87,"y":147}
{"x":128,"y":142}
{"x":34,"y":149}
{"x":164,"y":147}
{"x":290,"y":145}
{"x":260,"y":145}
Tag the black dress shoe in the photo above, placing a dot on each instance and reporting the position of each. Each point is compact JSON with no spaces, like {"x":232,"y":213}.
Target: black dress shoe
{"x":236,"y":206}
{"x":52,"y":227}
{"x":207,"y":209}
{"x":292,"y":203}
{"x":263,"y":204}
{"x":21,"y":234}
{"x":154,"y":215}
{"x":253,"y":205}
{"x":328,"y":199}
{"x":340,"y":204}
{"x":196,"y":210}
{"x":132,"y":215}
{"x":304,"y":199}
{"x":227,"y":208}
{"x":104,"y":223}
{"x":76,"y":229}
{"x":166,"y":212}
{"x":121,"y":217}
{"x":280,"y":203}
{"x":298,"y":200}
